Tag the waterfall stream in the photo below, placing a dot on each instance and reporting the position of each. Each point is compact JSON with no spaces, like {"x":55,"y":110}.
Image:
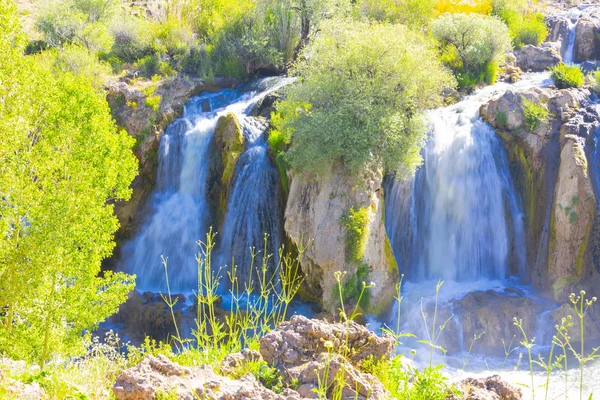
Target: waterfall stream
{"x":178,"y":215}
{"x":569,"y":53}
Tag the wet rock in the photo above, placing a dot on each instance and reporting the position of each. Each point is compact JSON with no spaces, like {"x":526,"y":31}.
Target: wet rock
{"x":534,"y":58}
{"x":315,"y":209}
{"x":148,"y":314}
{"x":591,"y":325}
{"x":296,"y":341}
{"x":265,"y":106}
{"x":491,"y":388}
{"x":587,"y":44}
{"x":226,"y":147}
{"x":491,"y":313}
{"x":156,"y":376}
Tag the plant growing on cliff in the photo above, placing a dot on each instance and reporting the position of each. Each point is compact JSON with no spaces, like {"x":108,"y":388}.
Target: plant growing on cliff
{"x":366,"y":85}
{"x":535,"y":115}
{"x":567,"y":76}
{"x":63,"y":166}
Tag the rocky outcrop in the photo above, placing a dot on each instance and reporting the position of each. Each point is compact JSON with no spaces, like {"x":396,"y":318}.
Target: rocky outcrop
{"x":587,"y":43}
{"x":157,"y":376}
{"x":490,"y":388}
{"x":534,"y":58}
{"x":309,"y":351}
{"x":226,"y":146}
{"x":316,"y":209}
{"x":295,"y":342}
{"x":574,"y":207}
{"x":550,"y":169}
{"x":591,"y":325}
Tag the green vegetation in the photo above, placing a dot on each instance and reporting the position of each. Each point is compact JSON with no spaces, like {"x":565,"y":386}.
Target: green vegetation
{"x":413,"y":13}
{"x":535,"y":115}
{"x":359,"y":99}
{"x":567,"y":76}
{"x":472,"y":45}
{"x":356,"y":222}
{"x":526,"y":26}
{"x":63,"y":164}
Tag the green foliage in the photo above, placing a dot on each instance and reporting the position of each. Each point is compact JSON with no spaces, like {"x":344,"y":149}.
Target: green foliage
{"x":80,"y":61}
{"x":535,"y":115}
{"x":406,"y":382}
{"x":356,"y":223}
{"x":413,"y":13}
{"x":567,"y":76}
{"x":476,"y":41}
{"x":62,"y":162}
{"x":501,"y":119}
{"x":524,"y":24}
{"x":353,"y":288}
{"x":359,"y":98}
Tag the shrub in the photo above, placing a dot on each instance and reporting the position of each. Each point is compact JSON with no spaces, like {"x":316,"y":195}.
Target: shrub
{"x":81,"y":61}
{"x":132,"y":39}
{"x":355,"y":222}
{"x":535,"y":115}
{"x":365,"y":87}
{"x":567,"y":76}
{"x":501,"y":120}
{"x":524,"y":29}
{"x":97,"y":10}
{"x":477,"y":40}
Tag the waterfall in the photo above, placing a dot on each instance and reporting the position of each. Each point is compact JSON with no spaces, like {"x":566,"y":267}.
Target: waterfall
{"x":252,"y":210}
{"x":178,"y":215}
{"x":569,"y":57}
{"x":464,"y":217}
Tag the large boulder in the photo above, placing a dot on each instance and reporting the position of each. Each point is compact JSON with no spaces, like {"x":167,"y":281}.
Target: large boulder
{"x":491,"y":314}
{"x":227,"y":145}
{"x":587,"y":43}
{"x":296,"y":341}
{"x":16,"y":389}
{"x":158,"y":376}
{"x":311,"y":352}
{"x":534,"y":58}
{"x":316,"y":208}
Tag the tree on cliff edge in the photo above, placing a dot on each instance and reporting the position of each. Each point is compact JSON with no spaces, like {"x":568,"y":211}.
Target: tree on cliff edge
{"x":61,"y":164}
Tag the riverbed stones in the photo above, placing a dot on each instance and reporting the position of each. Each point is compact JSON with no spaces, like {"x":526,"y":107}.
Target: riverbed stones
{"x":490,"y":388}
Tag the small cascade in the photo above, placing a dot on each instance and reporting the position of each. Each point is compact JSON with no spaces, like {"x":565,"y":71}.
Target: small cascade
{"x":569,"y":53}
{"x":178,"y":214}
{"x":252,"y":219}
{"x":465,"y":219}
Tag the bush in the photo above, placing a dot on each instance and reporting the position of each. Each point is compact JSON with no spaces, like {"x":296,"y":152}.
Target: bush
{"x":81,"y":61}
{"x":535,"y":115}
{"x":359,"y":98}
{"x":567,"y":76}
{"x":477,"y":40}
{"x":463,"y":7}
{"x":524,"y":29}
{"x":132,"y":39}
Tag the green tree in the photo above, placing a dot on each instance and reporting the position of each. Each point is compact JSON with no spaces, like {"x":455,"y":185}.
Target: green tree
{"x":414,"y":13}
{"x":63,"y":164}
{"x":477,"y":40}
{"x":359,"y":99}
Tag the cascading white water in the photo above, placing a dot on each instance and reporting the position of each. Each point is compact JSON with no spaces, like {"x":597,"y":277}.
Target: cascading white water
{"x":178,"y":211}
{"x":253,"y":209}
{"x":572,"y":19}
{"x":465,"y":218}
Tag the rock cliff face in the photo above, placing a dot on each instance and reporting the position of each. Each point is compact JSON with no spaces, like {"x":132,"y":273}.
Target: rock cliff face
{"x":550,"y":165}
{"x":316,"y":209}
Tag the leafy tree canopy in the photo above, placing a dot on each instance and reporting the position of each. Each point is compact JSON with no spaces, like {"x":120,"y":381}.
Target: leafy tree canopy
{"x":359,"y":99}
{"x":63,"y":163}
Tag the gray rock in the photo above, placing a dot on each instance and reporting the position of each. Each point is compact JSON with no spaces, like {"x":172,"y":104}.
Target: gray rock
{"x":534,"y":58}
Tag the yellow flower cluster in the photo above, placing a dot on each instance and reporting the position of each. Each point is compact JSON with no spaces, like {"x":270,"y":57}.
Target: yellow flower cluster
{"x":464,"y":6}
